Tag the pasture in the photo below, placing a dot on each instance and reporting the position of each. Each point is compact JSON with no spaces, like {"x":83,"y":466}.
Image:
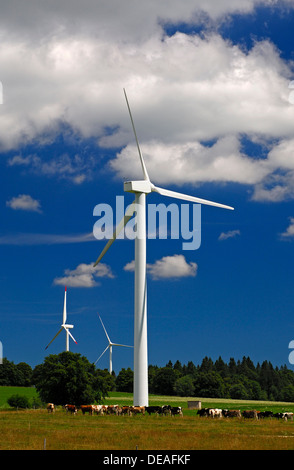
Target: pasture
{"x":30,"y":429}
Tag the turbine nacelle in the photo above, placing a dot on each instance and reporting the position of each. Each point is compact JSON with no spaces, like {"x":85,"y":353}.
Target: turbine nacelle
{"x":139,"y":186}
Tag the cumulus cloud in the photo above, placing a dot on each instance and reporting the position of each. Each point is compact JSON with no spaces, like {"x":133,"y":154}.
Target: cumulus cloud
{"x":124,"y":21}
{"x":289,"y":232}
{"x":76,"y":169}
{"x":192,"y":162}
{"x":192,"y":96}
{"x":278,"y":184}
{"x":84,"y":275}
{"x":229,"y":234}
{"x":24,"y":202}
{"x":168,"y":267}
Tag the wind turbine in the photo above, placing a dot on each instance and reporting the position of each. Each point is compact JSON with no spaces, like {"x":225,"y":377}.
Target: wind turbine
{"x":141,"y":188}
{"x":110,"y":344}
{"x":64,"y":327}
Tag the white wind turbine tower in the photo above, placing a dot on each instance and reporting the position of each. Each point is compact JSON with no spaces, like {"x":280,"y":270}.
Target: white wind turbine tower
{"x":64,"y":327}
{"x":141,"y":188}
{"x":110,"y":344}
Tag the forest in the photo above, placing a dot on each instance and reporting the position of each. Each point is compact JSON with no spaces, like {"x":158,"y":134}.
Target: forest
{"x":240,"y":379}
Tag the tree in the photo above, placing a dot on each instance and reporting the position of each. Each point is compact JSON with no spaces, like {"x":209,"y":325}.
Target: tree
{"x":184,"y":387}
{"x":68,"y":378}
{"x":209,"y":384}
{"x":164,"y":380}
{"x":7,"y":373}
{"x":24,"y":374}
{"x":124,"y":380}
{"x":238,"y":391}
{"x":287,"y":393}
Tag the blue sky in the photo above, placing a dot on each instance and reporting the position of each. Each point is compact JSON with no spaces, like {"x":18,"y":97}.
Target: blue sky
{"x":208,"y":85}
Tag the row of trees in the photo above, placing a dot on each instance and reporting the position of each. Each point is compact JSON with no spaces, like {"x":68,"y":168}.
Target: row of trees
{"x":70,"y":377}
{"x":240,"y":380}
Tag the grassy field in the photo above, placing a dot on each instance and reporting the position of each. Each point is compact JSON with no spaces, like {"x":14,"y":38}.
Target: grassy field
{"x":30,"y":429}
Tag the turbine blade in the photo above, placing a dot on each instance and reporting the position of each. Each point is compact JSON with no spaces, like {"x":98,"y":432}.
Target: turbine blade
{"x":70,"y":335}
{"x":124,"y":345}
{"x":102,"y":353}
{"x":104,"y":329}
{"x":128,"y":215}
{"x":64,"y":307}
{"x":185,"y":197}
{"x":145,"y":173}
{"x":54,"y":337}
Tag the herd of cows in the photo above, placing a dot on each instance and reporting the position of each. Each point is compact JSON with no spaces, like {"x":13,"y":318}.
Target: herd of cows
{"x":169,"y":410}
{"x":120,"y":410}
{"x":253,"y":414}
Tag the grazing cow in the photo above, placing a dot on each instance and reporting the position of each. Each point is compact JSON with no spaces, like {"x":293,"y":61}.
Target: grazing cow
{"x":215,"y":413}
{"x":176,"y":410}
{"x":98,"y":409}
{"x":71,"y":408}
{"x":203,"y":412}
{"x":166,"y":410}
{"x":265,"y":414}
{"x":112,"y":409}
{"x":50,"y":408}
{"x":231,"y":413}
{"x":287,"y":415}
{"x":137,"y":410}
{"x":278,"y":415}
{"x":87,"y":409}
{"x":212,"y":412}
{"x":153,"y":409}
{"x":125,"y":410}
{"x":249,"y":414}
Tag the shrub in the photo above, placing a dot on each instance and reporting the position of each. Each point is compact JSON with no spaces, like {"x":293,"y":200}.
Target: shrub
{"x":18,"y":401}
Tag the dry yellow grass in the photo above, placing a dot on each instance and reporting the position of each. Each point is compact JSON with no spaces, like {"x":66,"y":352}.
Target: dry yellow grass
{"x":27,"y":430}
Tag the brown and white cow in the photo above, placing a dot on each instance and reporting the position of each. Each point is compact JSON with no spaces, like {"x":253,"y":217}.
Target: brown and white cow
{"x":50,"y":408}
{"x":134,"y":410}
{"x":87,"y":409}
{"x":250,"y":414}
{"x":71,"y":409}
{"x":231,"y":413}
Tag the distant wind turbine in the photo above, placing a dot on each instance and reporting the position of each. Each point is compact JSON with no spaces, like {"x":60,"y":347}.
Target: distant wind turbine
{"x":110,"y":344}
{"x":141,"y":188}
{"x":64,"y":327}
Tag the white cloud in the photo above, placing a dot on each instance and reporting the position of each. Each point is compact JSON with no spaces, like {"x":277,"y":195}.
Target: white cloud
{"x":168,"y":267}
{"x":193,"y":162}
{"x":289,"y":232}
{"x":76,"y":168}
{"x":184,"y":90}
{"x":278,"y":185}
{"x":45,"y":238}
{"x":84,"y":275}
{"x":229,"y":234}
{"x":124,"y":21}
{"x":130,"y":266}
{"x":24,"y":202}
